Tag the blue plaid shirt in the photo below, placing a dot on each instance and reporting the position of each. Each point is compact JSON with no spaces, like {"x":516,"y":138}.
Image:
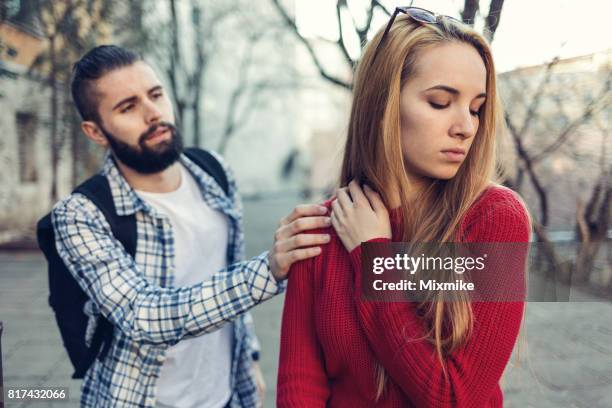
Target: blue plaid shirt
{"x":138,"y":296}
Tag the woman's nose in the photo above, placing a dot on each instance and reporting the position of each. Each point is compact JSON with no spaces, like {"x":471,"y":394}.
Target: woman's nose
{"x":464,"y":126}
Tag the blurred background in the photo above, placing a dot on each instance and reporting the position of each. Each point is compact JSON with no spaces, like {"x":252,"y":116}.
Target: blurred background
{"x":267,"y":84}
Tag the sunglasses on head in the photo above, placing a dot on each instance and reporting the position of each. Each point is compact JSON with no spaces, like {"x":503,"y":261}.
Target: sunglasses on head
{"x":417,"y":14}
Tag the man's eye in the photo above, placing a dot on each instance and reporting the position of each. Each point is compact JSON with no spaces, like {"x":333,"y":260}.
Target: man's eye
{"x":157,"y":95}
{"x":127,"y":108}
{"x":437,"y":105}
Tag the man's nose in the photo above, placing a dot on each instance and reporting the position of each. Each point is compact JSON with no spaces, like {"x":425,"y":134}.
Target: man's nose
{"x":152,"y":112}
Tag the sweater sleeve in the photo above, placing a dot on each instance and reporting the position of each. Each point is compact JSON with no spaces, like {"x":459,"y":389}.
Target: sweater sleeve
{"x":396,"y":334}
{"x":302,"y":380}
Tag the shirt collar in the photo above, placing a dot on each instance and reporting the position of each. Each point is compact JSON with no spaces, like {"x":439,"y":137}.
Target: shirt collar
{"x":128,"y":202}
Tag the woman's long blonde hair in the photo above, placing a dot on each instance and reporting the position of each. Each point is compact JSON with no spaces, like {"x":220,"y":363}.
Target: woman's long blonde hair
{"x":373,"y":154}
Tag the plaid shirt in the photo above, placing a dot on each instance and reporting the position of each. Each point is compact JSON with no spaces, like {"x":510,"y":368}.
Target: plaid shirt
{"x":137,"y":294}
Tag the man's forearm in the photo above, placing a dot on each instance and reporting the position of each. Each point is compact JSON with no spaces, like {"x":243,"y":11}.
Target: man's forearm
{"x":145,"y":312}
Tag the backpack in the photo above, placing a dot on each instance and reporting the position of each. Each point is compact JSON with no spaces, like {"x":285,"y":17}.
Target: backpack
{"x":66,"y":297}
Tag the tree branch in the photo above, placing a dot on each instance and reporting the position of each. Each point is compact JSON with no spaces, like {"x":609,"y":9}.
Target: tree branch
{"x":529,"y":168}
{"x":468,"y":14}
{"x":340,"y":41}
{"x":493,"y":18}
{"x":382,"y":7}
{"x":175,"y":62}
{"x":592,"y":108}
{"x":363,"y":32}
{"x":535,"y":101}
{"x":291,"y":24}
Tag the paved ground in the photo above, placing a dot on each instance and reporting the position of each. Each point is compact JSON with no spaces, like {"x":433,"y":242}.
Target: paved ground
{"x":565,"y":360}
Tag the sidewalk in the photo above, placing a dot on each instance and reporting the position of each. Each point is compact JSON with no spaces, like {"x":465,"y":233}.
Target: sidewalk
{"x":567,"y":361}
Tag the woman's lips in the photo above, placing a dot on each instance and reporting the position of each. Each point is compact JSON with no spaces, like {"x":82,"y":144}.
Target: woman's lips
{"x":454,"y":155}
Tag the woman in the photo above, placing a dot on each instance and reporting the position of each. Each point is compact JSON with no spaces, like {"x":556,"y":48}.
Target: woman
{"x":422,"y":137}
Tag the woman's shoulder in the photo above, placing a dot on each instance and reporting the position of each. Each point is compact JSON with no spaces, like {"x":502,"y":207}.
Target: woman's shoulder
{"x":499,"y":197}
{"x":499,"y":213}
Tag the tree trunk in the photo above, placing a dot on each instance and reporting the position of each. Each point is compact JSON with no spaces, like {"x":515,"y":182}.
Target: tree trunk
{"x":493,"y":18}
{"x":592,"y":232}
{"x":198,"y":75}
{"x":175,"y":66}
{"x":197,"y":120}
{"x":55,"y":145}
{"x":468,"y":14}
{"x":75,"y":147}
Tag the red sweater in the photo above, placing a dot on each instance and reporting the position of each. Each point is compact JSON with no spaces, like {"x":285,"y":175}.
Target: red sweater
{"x":331,"y":339}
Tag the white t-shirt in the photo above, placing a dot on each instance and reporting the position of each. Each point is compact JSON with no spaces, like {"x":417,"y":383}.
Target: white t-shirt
{"x":196,"y":372}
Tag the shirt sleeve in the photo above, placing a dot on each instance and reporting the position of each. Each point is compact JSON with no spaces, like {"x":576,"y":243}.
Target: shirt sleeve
{"x":302,"y":380}
{"x":396,"y":334}
{"x":142,"y":311}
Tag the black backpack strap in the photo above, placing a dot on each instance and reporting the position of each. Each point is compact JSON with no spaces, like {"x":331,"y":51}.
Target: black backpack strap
{"x":98,"y":191}
{"x":210,"y":165}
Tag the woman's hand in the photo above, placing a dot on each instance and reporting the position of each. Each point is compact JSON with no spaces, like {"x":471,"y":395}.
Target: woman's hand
{"x":360,"y":217}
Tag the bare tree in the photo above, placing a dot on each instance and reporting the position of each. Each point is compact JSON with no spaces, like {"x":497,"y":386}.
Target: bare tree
{"x":234,"y":118}
{"x":188,"y":47}
{"x":470,"y":11}
{"x":361,"y":30}
{"x":529,"y":160}
{"x":248,"y":92}
{"x":58,"y":24}
{"x":593,"y":216}
{"x":70,"y":27}
{"x":186,"y":71}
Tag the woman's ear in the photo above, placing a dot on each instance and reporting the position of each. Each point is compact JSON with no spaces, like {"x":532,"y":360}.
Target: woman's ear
{"x":93,"y":133}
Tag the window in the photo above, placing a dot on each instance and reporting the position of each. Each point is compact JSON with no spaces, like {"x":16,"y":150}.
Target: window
{"x":26,"y":137}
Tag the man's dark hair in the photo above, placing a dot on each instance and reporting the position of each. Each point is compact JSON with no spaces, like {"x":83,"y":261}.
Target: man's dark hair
{"x":93,"y":65}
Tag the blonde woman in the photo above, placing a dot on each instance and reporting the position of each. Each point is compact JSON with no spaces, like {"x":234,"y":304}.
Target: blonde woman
{"x":421,"y":138}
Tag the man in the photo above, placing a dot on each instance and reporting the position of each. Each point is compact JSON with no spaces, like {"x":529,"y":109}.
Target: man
{"x":182,"y":333}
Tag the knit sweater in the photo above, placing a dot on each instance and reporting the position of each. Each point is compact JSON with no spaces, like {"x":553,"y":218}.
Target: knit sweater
{"x":332,"y":340}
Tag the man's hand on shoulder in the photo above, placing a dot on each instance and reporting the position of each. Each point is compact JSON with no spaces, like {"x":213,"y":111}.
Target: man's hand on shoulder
{"x":291,"y":244}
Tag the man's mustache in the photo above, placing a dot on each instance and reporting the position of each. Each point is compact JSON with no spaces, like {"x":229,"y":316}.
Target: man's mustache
{"x":153,"y":128}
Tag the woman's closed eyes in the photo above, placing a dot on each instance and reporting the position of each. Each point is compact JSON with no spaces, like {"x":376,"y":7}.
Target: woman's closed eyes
{"x":444,"y":106}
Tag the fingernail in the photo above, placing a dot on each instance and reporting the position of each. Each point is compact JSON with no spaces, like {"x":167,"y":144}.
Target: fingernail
{"x":327,"y":238}
{"x":322,"y":210}
{"x":327,"y":220}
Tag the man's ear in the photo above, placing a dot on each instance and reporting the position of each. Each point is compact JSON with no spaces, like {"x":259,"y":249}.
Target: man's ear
{"x":93,"y":133}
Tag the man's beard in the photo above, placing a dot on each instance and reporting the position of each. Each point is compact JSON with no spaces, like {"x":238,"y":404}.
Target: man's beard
{"x":142,"y":158}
